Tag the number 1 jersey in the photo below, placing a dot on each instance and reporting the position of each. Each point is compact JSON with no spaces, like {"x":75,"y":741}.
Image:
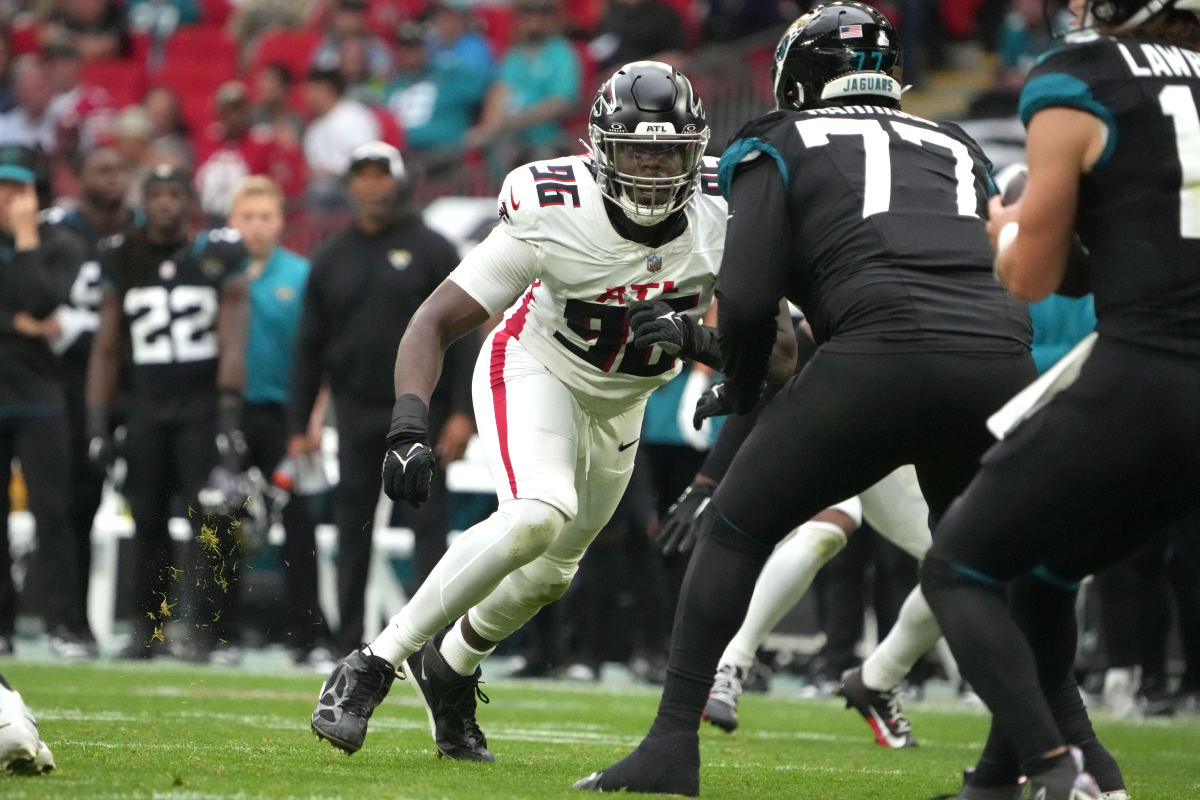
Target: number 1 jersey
{"x":573,"y":276}
{"x":169,"y":297}
{"x":1139,"y":206}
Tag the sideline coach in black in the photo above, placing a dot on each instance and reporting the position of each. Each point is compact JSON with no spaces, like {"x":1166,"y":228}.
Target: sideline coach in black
{"x":364,"y":286}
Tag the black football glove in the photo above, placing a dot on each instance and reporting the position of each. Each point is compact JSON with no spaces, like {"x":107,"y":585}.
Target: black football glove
{"x":678,"y":534}
{"x":713,"y":403}
{"x":231,"y":442}
{"x":100,"y":454}
{"x":409,"y":463}
{"x":654,"y":322}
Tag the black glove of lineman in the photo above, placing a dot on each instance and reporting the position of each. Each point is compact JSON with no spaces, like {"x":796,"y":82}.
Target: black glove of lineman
{"x":409,"y":464}
{"x":654,"y":322}
{"x":231,"y":442}
{"x":100,"y":453}
{"x":713,"y":403}
{"x":678,"y":534}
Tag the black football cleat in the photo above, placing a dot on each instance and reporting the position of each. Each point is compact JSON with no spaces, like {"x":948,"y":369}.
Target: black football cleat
{"x":450,"y":702}
{"x":970,"y":791}
{"x":351,"y":692}
{"x":1065,"y":780}
{"x":881,"y":710}
{"x":662,"y":765}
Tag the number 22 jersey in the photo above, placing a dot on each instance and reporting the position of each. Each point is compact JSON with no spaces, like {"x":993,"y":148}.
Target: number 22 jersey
{"x":574,"y":275}
{"x":169,"y":297}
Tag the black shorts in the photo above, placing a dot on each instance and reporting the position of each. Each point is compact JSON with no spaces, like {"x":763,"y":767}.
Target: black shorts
{"x":848,"y":420}
{"x":1105,"y":465}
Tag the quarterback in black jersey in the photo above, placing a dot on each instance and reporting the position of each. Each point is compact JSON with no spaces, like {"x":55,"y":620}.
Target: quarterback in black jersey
{"x":174,"y":313}
{"x":1085,"y":476}
{"x":873,"y":222}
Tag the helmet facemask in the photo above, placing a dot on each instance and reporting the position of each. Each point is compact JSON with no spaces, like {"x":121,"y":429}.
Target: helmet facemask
{"x":649,"y":174}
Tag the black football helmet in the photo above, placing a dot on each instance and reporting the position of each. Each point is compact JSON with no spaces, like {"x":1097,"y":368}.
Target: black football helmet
{"x":648,"y":134}
{"x":835,"y":52}
{"x":1123,"y":15}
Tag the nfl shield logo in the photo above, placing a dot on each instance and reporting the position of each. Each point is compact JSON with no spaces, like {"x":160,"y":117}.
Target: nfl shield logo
{"x":654,"y":262}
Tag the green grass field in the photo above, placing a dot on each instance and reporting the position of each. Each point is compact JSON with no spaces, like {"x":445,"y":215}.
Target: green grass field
{"x":123,"y":730}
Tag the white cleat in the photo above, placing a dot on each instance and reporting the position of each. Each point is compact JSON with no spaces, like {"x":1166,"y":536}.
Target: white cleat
{"x":21,"y":750}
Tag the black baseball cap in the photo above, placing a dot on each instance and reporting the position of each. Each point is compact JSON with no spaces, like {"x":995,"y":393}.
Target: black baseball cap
{"x":169,"y":173}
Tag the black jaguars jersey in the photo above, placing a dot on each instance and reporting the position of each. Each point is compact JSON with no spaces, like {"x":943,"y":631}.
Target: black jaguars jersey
{"x":169,"y":298}
{"x":1139,"y":207}
{"x":889,"y":241}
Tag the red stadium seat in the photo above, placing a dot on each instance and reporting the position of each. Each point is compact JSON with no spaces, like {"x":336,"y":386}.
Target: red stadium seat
{"x":216,"y":12}
{"x":497,"y":22}
{"x":202,"y":44}
{"x":123,"y":78}
{"x":389,"y":129}
{"x":293,"y":49}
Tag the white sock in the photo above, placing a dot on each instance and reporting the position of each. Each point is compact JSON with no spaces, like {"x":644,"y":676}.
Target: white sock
{"x":916,"y":631}
{"x":461,"y":657}
{"x":783,"y":581}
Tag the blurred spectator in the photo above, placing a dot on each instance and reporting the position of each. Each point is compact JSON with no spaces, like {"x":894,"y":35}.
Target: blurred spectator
{"x":277,"y":280}
{"x":29,"y":122}
{"x":733,"y":19}
{"x":169,"y":134}
{"x":233,"y":150}
{"x":349,"y":19}
{"x":97,"y":27}
{"x":338,"y":125}
{"x":7,"y":100}
{"x":354,"y":65}
{"x":535,"y":89}
{"x":252,"y":18}
{"x":633,"y":30}
{"x":132,"y":135}
{"x":36,"y":264}
{"x":1024,"y":36}
{"x":271,"y":90}
{"x":434,"y":100}
{"x":161,"y":18}
{"x":85,"y":112}
{"x":452,"y":36}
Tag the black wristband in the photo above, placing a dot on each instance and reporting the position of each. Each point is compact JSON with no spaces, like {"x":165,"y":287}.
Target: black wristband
{"x":410,"y":419}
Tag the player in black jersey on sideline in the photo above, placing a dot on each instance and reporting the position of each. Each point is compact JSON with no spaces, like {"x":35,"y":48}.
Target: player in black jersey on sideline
{"x":1113,"y":147}
{"x":101,"y":212}
{"x":871,"y":221}
{"x":174,"y":309}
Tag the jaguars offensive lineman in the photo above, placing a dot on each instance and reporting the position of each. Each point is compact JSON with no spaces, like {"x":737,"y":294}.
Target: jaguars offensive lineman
{"x":1113,"y":149}
{"x":174,"y":310}
{"x":559,"y":388}
{"x":872,"y":221}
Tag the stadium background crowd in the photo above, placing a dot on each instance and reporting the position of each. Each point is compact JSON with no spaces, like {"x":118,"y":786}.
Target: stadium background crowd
{"x":467,"y":90}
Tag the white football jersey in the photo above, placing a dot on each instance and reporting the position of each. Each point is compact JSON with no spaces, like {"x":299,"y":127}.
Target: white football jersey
{"x":575,"y":275}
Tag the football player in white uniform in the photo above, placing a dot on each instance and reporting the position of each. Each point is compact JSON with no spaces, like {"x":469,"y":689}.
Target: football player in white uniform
{"x":559,"y":388}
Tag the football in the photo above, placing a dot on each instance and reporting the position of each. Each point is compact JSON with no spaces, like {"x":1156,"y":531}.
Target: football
{"x":1010,"y":183}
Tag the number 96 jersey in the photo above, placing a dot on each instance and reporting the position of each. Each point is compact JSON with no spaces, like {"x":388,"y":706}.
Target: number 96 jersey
{"x":574,"y":276}
{"x":169,"y":296}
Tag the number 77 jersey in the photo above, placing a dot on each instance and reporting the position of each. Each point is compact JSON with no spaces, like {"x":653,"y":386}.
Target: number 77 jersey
{"x":882,"y":207}
{"x":573,"y":276}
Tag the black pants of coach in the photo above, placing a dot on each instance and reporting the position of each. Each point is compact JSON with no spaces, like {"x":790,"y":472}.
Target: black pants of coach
{"x":1107,"y":464}
{"x":41,"y":445}
{"x":265,"y":428}
{"x":87,"y":484}
{"x":169,"y":459}
{"x":362,"y":429}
